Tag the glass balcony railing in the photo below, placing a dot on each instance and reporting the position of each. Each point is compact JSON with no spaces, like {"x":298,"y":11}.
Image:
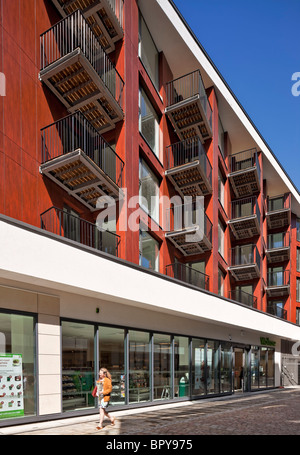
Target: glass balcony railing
{"x":69,"y":226}
{"x":188,"y":274}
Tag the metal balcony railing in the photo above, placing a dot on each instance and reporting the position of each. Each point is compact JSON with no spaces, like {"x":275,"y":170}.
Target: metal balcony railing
{"x":75,"y":132}
{"x":74,"y":32}
{"x":243,"y":297}
{"x":187,"y":151}
{"x":277,"y":310}
{"x":244,"y":208}
{"x":245,"y":255}
{"x":180,"y":217}
{"x":278,"y":278}
{"x":72,"y":227}
{"x":117,"y":6}
{"x":279,"y":202}
{"x":188,"y":274}
{"x":244,"y":160}
{"x":186,"y":87}
{"x":278,"y":240}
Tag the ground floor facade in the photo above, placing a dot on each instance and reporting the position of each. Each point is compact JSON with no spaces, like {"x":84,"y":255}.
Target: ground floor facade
{"x":162,"y":341}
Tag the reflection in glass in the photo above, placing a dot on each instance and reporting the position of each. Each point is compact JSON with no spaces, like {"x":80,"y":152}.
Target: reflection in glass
{"x":149,"y":251}
{"x":263,"y":367}
{"x":162,"y":351}
{"x":139,"y":366}
{"x":213,"y":372}
{"x":77,"y":365}
{"x":254,"y":367}
{"x":198,"y":367}
{"x":111,"y":356}
{"x":271,"y":368}
{"x":148,"y":123}
{"x":226,"y":367}
{"x":148,"y":52}
{"x":181,"y":367}
{"x":149,"y":191}
{"x":17,"y":336}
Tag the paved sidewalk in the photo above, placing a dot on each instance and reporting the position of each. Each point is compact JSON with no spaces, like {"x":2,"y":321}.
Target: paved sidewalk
{"x":275,"y":412}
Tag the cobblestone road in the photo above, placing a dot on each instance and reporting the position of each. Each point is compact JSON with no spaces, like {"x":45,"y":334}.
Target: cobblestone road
{"x":274,"y":412}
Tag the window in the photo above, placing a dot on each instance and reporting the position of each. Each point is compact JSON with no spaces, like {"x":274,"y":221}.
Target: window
{"x":139,"y":366}
{"x":198,"y":367}
{"x":221,"y":238}
{"x":276,"y":204}
{"x":213,"y":364}
{"x":17,"y":366}
{"x":111,"y":356}
{"x":298,"y":316}
{"x":298,"y":259}
{"x":148,"y":52}
{"x":226,"y":367}
{"x":298,"y":229}
{"x":298,"y":289}
{"x":221,"y":192}
{"x":162,"y":366}
{"x":221,"y":142}
{"x":148,"y":123}
{"x":78,"y":367}
{"x":244,"y":294}
{"x":149,"y":191}
{"x":149,"y":251}
{"x":221,"y":279}
{"x":181,"y":367}
{"x":71,"y":224}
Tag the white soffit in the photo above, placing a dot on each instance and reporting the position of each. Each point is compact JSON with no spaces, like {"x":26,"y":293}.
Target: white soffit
{"x":184,"y":54}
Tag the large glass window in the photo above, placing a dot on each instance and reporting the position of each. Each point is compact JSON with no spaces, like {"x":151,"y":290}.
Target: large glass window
{"x":298,"y":289}
{"x":148,"y":52}
{"x":198,"y":367}
{"x":149,"y":191}
{"x":111,"y":356}
{"x":221,"y":280}
{"x":78,"y":365}
{"x":149,"y":251}
{"x":221,"y":189}
{"x":17,"y":366}
{"x":271,"y":368}
{"x":213,"y":365}
{"x":148,"y":122}
{"x":226,"y":367}
{"x":162,"y":371}
{"x":254,"y":367}
{"x":221,"y":239}
{"x":181,"y":367}
{"x":263,"y":367}
{"x":139,"y":366}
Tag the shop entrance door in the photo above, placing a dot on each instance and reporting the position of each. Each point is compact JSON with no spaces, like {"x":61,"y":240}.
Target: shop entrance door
{"x":241,"y":369}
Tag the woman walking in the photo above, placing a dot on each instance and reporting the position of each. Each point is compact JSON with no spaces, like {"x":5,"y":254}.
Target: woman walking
{"x":104,"y":388}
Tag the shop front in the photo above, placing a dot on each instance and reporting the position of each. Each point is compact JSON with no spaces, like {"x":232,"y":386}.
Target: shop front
{"x":147,"y":367}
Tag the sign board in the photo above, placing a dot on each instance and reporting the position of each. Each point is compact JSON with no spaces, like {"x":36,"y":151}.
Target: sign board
{"x":11,"y":386}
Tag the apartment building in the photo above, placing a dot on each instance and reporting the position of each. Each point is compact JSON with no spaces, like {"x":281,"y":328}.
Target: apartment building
{"x":145,"y":224}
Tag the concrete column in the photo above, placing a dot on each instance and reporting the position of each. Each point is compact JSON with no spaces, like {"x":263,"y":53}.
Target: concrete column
{"x":49,"y":363}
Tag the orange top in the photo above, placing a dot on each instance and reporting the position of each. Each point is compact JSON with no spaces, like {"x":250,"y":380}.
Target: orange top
{"x":106,"y":388}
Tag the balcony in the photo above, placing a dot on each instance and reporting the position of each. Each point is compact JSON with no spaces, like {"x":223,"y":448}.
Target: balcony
{"x":244,"y":173}
{"x":278,"y":247}
{"x":245,"y":262}
{"x":279,"y":211}
{"x":278,"y":283}
{"x":188,"y":274}
{"x":245,"y":218}
{"x":188,"y":168}
{"x":77,"y":70}
{"x":277,"y":310}
{"x":77,"y":158}
{"x":104,"y":16}
{"x":192,"y":229}
{"x":72,"y":227}
{"x":243,"y":297}
{"x":188,"y":107}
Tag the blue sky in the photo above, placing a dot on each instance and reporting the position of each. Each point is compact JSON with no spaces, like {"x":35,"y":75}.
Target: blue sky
{"x":255,"y":45}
